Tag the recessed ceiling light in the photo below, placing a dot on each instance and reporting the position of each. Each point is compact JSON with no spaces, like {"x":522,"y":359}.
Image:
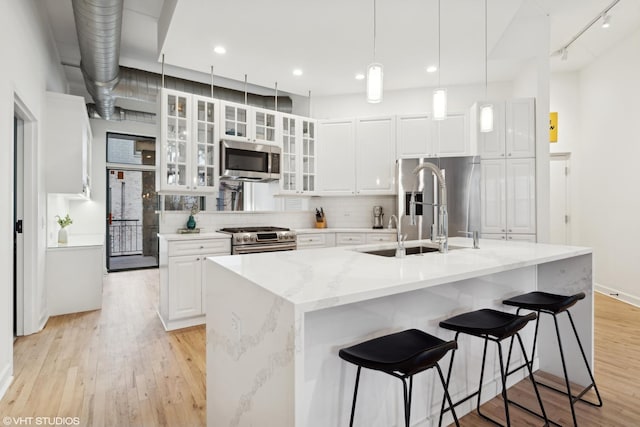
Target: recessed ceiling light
{"x":297,"y":72}
{"x":432,"y":69}
{"x":220,"y":50}
{"x":359,"y":76}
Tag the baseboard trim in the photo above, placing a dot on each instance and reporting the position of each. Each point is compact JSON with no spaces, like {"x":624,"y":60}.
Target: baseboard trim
{"x":5,"y":379}
{"x":617,"y":294}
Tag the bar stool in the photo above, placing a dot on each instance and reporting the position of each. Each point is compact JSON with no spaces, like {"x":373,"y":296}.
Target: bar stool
{"x":542,"y":302}
{"x":491,"y":325}
{"x":401,"y":355}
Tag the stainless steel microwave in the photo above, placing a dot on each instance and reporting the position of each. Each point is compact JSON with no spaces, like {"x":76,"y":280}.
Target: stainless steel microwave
{"x":246,"y":161}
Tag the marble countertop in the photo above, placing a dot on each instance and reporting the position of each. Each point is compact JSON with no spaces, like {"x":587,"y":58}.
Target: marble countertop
{"x":193,"y":236}
{"x":319,"y":278}
{"x":344,"y":230}
{"x":79,"y":241}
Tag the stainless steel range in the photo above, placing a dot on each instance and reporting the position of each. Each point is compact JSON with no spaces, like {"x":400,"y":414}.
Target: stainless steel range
{"x":251,"y":240}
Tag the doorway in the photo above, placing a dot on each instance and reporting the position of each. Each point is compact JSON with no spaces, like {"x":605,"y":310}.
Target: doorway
{"x":132,"y":221}
{"x":559,"y":204}
{"x":18,"y":213}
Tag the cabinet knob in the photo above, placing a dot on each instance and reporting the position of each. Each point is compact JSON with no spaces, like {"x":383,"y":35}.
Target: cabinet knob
{"x":510,"y":238}
{"x":198,"y":259}
{"x":201,"y":247}
{"x":509,"y":154}
{"x":502,"y":230}
{"x":502,"y":154}
{"x":510,"y":230}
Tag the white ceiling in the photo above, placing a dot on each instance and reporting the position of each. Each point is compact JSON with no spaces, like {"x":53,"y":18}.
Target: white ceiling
{"x":332,"y":40}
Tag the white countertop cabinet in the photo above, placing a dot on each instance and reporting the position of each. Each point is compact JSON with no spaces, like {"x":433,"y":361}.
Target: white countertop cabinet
{"x":299,"y":166}
{"x":74,"y":276}
{"x":188,"y":149}
{"x":68,"y":145}
{"x":182,"y":292}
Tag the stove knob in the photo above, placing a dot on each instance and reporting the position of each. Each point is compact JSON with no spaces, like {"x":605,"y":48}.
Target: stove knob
{"x":245,"y":238}
{"x":238,"y":239}
{"x":253,"y":238}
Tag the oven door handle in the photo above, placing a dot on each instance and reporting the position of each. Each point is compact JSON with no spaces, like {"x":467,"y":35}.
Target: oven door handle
{"x":240,"y":250}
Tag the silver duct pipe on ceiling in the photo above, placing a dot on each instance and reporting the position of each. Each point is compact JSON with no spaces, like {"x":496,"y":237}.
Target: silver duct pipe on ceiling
{"x":99,"y":26}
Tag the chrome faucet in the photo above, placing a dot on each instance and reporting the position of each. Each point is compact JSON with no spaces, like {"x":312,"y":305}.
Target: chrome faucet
{"x":442,"y":237}
{"x":400,"y":250}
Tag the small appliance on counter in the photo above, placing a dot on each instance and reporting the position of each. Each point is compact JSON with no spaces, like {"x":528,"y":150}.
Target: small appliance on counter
{"x":377,"y":217}
{"x":321,"y":220}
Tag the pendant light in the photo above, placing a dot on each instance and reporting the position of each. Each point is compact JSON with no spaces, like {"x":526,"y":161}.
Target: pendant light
{"x":486,"y":110}
{"x":374,"y":71}
{"x":439,"y":94}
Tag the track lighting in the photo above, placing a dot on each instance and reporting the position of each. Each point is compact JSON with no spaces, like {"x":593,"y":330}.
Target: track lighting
{"x":374,"y":71}
{"x":605,"y":20}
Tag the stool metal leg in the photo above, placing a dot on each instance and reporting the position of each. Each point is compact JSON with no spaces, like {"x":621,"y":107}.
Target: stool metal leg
{"x":407,"y":400}
{"x":564,"y":369}
{"x":447,"y":397}
{"x":355,"y":395}
{"x":484,"y":358}
{"x":586,"y":363}
{"x":503,"y":379}
{"x":446,"y":385}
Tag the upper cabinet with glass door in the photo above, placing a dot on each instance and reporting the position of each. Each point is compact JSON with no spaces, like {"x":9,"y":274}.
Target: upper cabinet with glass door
{"x":248,"y":124}
{"x":298,"y":138}
{"x":187,"y":150}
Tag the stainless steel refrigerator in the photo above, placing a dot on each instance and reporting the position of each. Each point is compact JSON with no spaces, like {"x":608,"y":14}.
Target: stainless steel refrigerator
{"x":462,"y":176}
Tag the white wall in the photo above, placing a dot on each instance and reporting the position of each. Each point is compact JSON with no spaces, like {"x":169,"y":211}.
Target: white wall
{"x":89,"y":217}
{"x":565,"y":100}
{"x":605,"y":167}
{"x":30,"y":67}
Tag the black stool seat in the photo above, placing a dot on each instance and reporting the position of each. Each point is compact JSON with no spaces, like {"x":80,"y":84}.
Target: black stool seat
{"x":407,"y":352}
{"x":401,"y":355}
{"x":487,"y":322}
{"x":544,"y":301}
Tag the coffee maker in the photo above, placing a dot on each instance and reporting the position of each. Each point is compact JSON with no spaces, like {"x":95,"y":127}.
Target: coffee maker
{"x":377,"y":217}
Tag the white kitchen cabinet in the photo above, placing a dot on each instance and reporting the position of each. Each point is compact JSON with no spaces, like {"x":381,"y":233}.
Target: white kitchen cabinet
{"x":74,"y":278}
{"x":187,"y":152}
{"x":316,"y":240}
{"x":248,"y":124}
{"x":336,"y":157}
{"x":348,"y":239}
{"x":508,"y":196}
{"x":381,"y":237}
{"x":513,"y":134}
{"x":418,"y":135}
{"x":298,"y":138}
{"x":67,"y":135}
{"x":182,"y":290}
{"x":375,"y":155}
{"x":357,"y":157}
{"x":510,"y":237}
{"x":451,"y":136}
{"x":414,"y":136}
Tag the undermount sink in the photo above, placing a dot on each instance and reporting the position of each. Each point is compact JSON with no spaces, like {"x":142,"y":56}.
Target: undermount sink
{"x":415,"y":250}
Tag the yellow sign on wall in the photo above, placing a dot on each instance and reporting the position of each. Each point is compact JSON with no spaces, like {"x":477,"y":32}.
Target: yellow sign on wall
{"x":553,"y":127}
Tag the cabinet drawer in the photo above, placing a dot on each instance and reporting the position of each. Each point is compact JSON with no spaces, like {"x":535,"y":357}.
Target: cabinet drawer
{"x":345,"y":239}
{"x":317,"y":240}
{"x":381,"y":237}
{"x":200,"y":247}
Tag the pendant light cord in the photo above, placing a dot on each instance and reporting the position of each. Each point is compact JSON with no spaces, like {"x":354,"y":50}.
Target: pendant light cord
{"x":374,"y":31}
{"x":438,"y":43}
{"x":486,"y":54}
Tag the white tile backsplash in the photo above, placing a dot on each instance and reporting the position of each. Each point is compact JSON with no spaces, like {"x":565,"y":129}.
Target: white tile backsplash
{"x":341,"y":212}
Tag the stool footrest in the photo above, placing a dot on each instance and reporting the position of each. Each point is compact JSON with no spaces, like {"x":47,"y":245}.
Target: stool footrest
{"x":577,"y":398}
{"x":532,"y":412}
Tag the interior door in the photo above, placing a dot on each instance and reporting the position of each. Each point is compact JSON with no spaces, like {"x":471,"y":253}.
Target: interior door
{"x":559,"y":202}
{"x":18,"y":216}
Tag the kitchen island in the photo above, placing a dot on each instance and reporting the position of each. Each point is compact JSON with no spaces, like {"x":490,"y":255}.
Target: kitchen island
{"x":276,"y":321}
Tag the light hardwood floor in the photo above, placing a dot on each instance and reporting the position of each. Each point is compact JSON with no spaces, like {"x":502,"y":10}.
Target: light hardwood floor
{"x":118,"y":367}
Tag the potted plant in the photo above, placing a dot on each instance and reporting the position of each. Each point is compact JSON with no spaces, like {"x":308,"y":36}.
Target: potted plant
{"x":63,"y":223}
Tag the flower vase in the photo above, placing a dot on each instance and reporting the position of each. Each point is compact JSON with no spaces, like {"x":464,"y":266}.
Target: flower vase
{"x":191,"y":223}
{"x":62,"y":236}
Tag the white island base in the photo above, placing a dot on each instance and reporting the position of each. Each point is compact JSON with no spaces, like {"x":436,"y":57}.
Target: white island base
{"x":276,"y":321}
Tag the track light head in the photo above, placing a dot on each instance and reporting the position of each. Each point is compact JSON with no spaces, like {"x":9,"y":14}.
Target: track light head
{"x":606,"y":20}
